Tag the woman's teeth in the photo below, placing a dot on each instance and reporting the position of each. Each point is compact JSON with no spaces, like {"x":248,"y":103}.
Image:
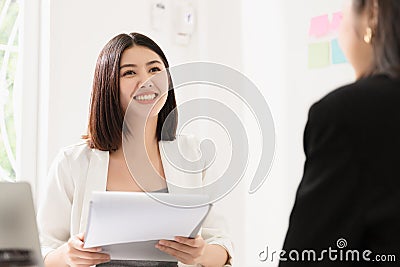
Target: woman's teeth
{"x":145,"y":97}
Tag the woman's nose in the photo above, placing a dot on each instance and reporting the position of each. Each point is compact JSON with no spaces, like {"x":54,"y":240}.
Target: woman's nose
{"x":146,"y":82}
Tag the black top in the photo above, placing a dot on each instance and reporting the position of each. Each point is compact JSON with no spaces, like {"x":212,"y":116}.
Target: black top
{"x":350,"y":189}
{"x":123,"y":263}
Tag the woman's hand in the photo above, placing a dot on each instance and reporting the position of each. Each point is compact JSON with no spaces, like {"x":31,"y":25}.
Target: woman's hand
{"x":185,"y":250}
{"x":75,"y":255}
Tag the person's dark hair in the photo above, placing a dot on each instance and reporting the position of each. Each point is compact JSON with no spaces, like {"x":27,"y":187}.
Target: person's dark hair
{"x":106,"y":115}
{"x":386,"y":35}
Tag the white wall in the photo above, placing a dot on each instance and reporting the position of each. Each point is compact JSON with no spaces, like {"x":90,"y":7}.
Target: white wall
{"x":264,"y":63}
{"x":306,"y":86}
{"x":275,"y":36}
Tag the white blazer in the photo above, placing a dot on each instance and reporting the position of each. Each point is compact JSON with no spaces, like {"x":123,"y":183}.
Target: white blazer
{"x":78,"y":170}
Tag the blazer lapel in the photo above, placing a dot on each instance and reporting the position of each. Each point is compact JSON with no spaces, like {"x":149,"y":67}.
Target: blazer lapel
{"x":96,"y":181}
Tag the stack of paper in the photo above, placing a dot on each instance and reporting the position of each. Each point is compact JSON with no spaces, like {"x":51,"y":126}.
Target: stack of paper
{"x":127,"y":225}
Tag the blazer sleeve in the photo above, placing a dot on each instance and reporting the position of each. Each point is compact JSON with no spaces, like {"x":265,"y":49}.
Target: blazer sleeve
{"x":54,"y":213}
{"x":329,"y":204}
{"x":213,"y":232}
{"x":214,"y":229}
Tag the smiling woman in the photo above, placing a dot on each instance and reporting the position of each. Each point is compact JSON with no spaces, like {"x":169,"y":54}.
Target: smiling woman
{"x":132,"y":97}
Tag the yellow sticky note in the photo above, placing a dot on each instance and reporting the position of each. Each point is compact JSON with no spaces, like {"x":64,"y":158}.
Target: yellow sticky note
{"x":318,"y":55}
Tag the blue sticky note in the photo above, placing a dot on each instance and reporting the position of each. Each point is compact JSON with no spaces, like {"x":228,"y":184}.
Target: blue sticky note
{"x":337,"y":54}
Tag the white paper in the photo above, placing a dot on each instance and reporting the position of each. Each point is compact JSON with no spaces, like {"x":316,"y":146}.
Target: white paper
{"x":126,"y":217}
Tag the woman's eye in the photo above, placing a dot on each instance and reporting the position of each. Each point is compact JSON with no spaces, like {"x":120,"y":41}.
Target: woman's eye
{"x":155,"y":69}
{"x":129,"y":72}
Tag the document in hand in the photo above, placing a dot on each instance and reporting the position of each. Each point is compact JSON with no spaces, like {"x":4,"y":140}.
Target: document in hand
{"x":127,"y":225}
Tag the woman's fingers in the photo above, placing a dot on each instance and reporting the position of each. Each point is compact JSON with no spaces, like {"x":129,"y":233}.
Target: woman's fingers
{"x":86,"y":258}
{"x":186,"y":250}
{"x":77,"y":255}
{"x":179,"y":255}
{"x":89,"y":255}
{"x":193,"y":242}
{"x":77,"y":243}
{"x":176,"y":246}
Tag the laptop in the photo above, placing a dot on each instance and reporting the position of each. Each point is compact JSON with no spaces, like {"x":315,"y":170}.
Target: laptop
{"x":19,"y":239}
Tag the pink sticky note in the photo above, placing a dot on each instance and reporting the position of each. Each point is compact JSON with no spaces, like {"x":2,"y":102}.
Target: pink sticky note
{"x":319,"y":26}
{"x":336,"y":20}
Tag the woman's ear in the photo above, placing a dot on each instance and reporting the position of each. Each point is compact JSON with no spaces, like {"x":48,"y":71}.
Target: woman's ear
{"x":373,"y":15}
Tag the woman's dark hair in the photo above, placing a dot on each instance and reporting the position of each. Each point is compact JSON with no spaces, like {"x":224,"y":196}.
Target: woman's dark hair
{"x":386,"y":35}
{"x":106,"y":115}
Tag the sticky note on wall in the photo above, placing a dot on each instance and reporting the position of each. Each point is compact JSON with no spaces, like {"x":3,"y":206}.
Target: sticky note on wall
{"x":338,"y":56}
{"x":319,"y":26}
{"x":318,"y":55}
{"x":336,"y":20}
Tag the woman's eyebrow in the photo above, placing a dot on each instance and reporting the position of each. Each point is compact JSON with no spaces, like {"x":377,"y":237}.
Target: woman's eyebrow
{"x":152,"y":62}
{"x":134,"y":65}
{"x":127,"y":65}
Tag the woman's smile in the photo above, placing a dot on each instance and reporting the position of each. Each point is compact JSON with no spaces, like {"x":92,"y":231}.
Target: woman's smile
{"x":146,"y":98}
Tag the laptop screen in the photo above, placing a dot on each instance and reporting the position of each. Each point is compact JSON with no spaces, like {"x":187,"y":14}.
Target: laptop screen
{"x":19,"y":241}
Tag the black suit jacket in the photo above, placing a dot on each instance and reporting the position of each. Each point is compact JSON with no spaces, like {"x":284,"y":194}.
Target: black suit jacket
{"x":350,"y":190}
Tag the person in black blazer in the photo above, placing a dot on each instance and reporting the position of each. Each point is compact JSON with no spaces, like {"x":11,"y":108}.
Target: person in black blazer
{"x":347,"y":208}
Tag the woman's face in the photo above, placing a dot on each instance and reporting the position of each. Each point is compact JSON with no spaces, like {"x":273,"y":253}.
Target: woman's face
{"x":351,"y":38}
{"x":144,"y":80}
